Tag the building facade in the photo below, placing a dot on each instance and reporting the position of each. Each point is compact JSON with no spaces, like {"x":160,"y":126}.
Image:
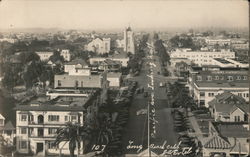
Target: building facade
{"x":227,"y":107}
{"x":129,"y":45}
{"x":201,"y":57}
{"x":38,"y":121}
{"x":206,"y":82}
{"x":44,"y":56}
{"x":99,"y":45}
{"x":66,"y":55}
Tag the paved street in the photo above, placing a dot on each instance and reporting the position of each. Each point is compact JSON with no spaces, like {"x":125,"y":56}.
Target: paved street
{"x":136,"y":129}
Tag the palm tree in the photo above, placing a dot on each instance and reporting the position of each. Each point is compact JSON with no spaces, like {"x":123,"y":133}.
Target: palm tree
{"x":105,"y":133}
{"x":74,"y":134}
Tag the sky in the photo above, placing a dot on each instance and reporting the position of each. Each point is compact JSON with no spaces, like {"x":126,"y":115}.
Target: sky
{"x":109,"y":14}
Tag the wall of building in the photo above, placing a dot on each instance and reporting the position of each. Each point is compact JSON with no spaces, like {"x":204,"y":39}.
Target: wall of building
{"x":92,"y":81}
{"x":238,"y":113}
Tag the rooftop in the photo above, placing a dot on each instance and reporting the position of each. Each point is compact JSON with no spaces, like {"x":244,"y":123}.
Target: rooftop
{"x":217,"y":142}
{"x":8,"y":126}
{"x":77,"y":61}
{"x":222,"y":85}
{"x":233,"y":130}
{"x":223,"y":61}
{"x":114,"y":75}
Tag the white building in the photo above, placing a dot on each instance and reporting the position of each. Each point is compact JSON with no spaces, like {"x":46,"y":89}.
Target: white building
{"x":44,"y":56}
{"x":38,"y":121}
{"x":201,"y":57}
{"x":75,"y":64}
{"x":66,"y":55}
{"x":208,"y":84}
{"x":8,"y":40}
{"x":220,"y":42}
{"x":128,"y":41}
{"x":228,"y":62}
{"x":129,"y":45}
{"x":99,"y":45}
{"x":122,"y":58}
{"x":114,"y":79}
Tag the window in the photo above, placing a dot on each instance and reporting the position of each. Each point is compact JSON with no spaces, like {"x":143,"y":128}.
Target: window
{"x":23,"y":130}
{"x":222,"y":78}
{"x":76,"y":83}
{"x":73,"y":118}
{"x":244,"y":77}
{"x":81,"y":83}
{"x":31,"y":118}
{"x":216,"y":77}
{"x":23,"y":117}
{"x":66,"y":118}
{"x":52,"y":130}
{"x":210,"y":94}
{"x":237,"y":118}
{"x":247,"y":95}
{"x":199,"y":78}
{"x":238,"y":78}
{"x":202,"y":93}
{"x":23,"y":145}
{"x":1,"y":121}
{"x":59,"y":83}
{"x":240,"y":94}
{"x":209,"y":78}
{"x":53,"y":118}
{"x":230,"y":78}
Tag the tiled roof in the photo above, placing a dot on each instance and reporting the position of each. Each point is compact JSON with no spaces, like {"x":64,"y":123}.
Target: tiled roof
{"x":217,"y":142}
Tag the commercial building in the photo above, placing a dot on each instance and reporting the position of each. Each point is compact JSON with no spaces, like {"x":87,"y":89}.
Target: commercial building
{"x":201,"y":57}
{"x":206,"y":82}
{"x":99,"y":45}
{"x":122,"y":58}
{"x":220,"y":42}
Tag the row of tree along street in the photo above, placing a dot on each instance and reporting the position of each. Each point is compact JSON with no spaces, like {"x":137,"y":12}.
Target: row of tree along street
{"x":105,"y":137}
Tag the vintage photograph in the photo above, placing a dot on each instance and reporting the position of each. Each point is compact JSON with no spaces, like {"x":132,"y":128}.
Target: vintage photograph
{"x":123,"y":78}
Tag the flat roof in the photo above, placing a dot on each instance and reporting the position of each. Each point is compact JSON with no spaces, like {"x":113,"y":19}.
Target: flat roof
{"x":223,"y":61}
{"x":223,"y":85}
{"x":49,"y":108}
{"x":113,"y":74}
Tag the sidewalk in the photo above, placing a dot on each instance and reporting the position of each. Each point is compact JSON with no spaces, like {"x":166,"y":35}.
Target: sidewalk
{"x":193,"y":121}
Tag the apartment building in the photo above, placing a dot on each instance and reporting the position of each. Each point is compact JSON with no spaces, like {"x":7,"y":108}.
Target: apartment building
{"x":37,"y":121}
